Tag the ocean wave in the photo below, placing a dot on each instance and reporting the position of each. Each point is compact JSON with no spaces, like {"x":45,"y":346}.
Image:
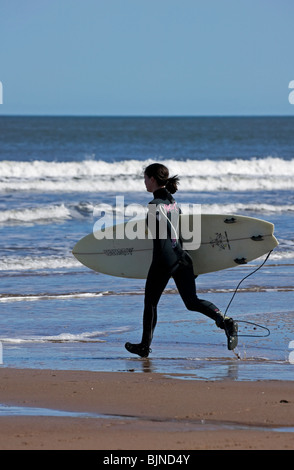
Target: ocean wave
{"x":30,"y":263}
{"x":35,"y":214}
{"x":50,"y":296}
{"x":100,"y":176}
{"x":241,"y":208}
{"x":284,"y":252}
{"x":84,"y":337}
{"x":15,"y":298}
{"x":45,"y":214}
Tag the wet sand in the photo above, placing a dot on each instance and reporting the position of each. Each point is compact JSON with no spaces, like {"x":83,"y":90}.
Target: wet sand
{"x":137,"y":411}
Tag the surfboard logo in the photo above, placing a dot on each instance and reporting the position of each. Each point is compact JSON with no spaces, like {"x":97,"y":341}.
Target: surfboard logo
{"x":221,"y":241}
{"x":118,"y":252}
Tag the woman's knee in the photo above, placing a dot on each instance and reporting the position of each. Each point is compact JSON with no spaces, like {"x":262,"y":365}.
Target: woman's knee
{"x":192,"y":303}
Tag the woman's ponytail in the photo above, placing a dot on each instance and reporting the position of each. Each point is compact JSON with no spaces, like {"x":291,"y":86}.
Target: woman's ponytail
{"x":172,"y":184}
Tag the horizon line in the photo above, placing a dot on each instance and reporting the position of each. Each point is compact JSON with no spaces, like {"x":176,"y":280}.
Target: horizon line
{"x":149,"y":115}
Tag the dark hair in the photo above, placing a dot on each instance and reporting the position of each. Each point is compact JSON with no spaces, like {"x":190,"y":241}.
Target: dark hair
{"x":161,"y":174}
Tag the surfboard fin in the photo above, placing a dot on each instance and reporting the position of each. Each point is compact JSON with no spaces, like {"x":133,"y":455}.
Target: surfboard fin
{"x":240,"y":260}
{"x":232,"y":220}
{"x":257,"y":238}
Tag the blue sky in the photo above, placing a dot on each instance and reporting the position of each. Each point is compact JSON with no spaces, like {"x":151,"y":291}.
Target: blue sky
{"x":146,"y":57}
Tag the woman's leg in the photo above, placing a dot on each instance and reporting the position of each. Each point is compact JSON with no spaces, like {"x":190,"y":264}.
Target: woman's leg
{"x":156,"y":282}
{"x":185,"y":282}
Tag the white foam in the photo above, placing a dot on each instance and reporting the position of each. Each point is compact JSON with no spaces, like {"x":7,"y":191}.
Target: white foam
{"x":4,"y":298}
{"x":27,"y":263}
{"x":63,"y":337}
{"x":235,"y":208}
{"x":44,"y":214}
{"x":87,"y":336}
{"x":55,"y":263}
{"x":282,"y":255}
{"x":35,"y":214}
{"x":99,"y":176}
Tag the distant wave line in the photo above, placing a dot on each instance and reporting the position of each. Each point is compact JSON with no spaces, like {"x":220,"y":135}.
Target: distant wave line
{"x":4,"y":298}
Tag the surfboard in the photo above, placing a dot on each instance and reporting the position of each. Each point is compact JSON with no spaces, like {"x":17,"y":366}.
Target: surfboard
{"x":226,"y":241}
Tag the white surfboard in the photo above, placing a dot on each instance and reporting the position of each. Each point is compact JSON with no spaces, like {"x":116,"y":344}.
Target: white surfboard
{"x":226,"y":241}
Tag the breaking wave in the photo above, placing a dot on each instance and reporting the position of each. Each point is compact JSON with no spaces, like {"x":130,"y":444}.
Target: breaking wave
{"x":25,"y":264}
{"x":84,"y":337}
{"x":268,"y":173}
{"x":54,"y":213}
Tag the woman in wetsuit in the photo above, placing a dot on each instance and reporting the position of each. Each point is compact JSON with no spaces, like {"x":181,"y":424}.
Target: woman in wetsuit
{"x":170,"y":260}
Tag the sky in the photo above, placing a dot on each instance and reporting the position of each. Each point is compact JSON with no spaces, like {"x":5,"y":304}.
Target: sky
{"x":146,"y":57}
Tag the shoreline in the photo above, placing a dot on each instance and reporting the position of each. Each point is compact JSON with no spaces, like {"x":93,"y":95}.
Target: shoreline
{"x":137,"y":411}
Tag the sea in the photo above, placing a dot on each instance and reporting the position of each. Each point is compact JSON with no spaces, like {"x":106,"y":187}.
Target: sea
{"x":57,"y":314}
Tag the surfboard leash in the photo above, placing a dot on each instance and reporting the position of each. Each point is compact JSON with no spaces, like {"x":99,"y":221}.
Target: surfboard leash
{"x":235,"y":292}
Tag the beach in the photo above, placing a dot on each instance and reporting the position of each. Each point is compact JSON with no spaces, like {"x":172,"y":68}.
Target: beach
{"x":66,"y":380}
{"x":131,"y":411}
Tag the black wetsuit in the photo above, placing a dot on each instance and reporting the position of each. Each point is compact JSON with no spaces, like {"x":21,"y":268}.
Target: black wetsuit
{"x":169,"y":260}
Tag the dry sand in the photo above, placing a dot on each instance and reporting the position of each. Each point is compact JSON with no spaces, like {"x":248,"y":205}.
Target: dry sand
{"x":149,"y":412}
